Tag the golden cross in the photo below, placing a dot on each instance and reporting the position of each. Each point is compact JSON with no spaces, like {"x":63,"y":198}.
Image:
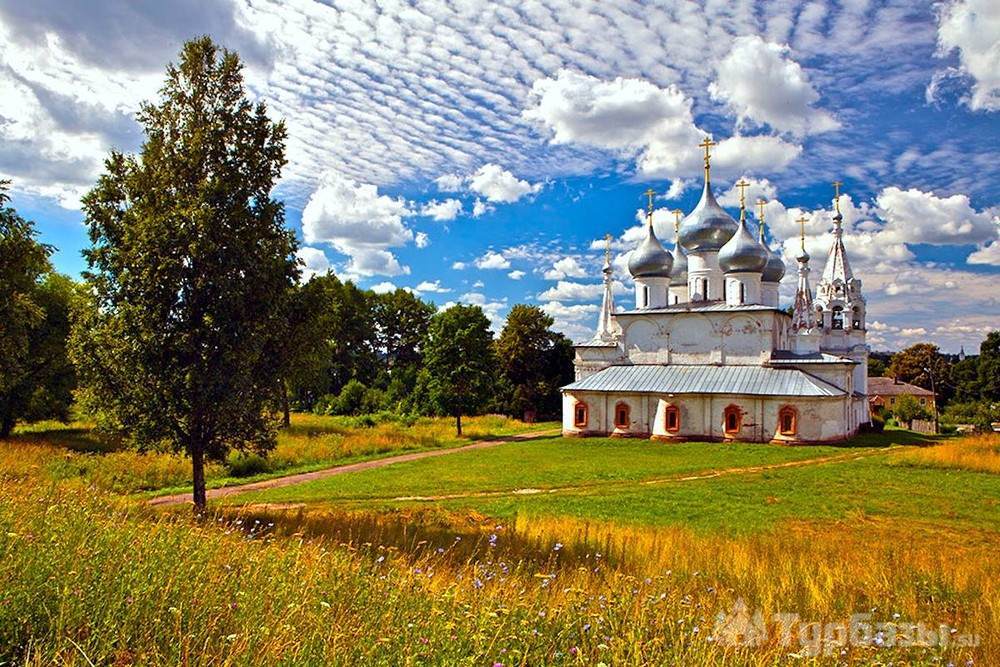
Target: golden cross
{"x":802,"y":229}
{"x":760,"y":217}
{"x":836,"y":194}
{"x":650,"y":193}
{"x":677,"y":219}
{"x":743,"y":185}
{"x":707,"y":145}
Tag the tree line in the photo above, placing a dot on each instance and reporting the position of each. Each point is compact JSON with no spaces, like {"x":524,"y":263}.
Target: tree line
{"x":191,"y":329}
{"x":967,"y":389}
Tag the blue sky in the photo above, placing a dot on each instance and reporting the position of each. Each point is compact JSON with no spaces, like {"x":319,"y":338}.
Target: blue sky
{"x":479,"y":152}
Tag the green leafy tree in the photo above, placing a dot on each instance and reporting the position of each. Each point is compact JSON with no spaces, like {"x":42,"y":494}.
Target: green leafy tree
{"x":306,"y":345}
{"x":401,"y":321}
{"x":989,"y":368}
{"x":876,"y":367}
{"x":907,"y":409}
{"x":924,"y":366}
{"x":32,"y":327}
{"x":189,"y":264}
{"x":965,"y":378}
{"x":459,"y":367}
{"x":534,"y":361}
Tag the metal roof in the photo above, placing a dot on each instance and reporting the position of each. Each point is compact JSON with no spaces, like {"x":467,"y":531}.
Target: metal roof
{"x":699,"y":379}
{"x":784,"y":357}
{"x":700,"y":307}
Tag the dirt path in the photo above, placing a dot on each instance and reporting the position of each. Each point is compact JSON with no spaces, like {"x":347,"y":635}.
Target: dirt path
{"x":708,"y":474}
{"x":288,"y":480}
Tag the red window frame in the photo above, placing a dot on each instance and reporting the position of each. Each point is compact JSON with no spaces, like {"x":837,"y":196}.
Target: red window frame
{"x":622,"y":408}
{"x":788,"y":413}
{"x":577,"y":421}
{"x":672,"y":411}
{"x":736,"y":414}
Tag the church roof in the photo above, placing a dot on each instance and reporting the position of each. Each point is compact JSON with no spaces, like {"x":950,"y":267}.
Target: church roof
{"x":785,"y":357}
{"x":706,"y":379}
{"x":837,"y":267}
{"x":700,"y":307}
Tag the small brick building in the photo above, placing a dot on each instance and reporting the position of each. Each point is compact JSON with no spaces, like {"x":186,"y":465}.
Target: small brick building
{"x":883,"y":393}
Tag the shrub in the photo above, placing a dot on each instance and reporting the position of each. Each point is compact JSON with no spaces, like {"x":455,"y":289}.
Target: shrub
{"x":351,"y":399}
{"x":241,"y":464}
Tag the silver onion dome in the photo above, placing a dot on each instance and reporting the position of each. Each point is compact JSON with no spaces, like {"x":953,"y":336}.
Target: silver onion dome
{"x":742,"y":253}
{"x":774,"y":270}
{"x":708,"y":226}
{"x":679,"y":275}
{"x":650,"y":259}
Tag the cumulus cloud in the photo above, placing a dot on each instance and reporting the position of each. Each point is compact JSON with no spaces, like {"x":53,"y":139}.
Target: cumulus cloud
{"x":988,"y":254}
{"x":492,"y":308}
{"x":492,"y":260}
{"x":762,"y":84}
{"x":567,"y":267}
{"x":421,"y":240}
{"x":383,"y":287}
{"x":759,"y":188}
{"x":449,"y":209}
{"x":567,"y":290}
{"x":480,"y":208}
{"x":358,"y":222}
{"x":432,"y":287}
{"x":516,"y":274}
{"x":655,"y":124}
{"x":914,"y":216}
{"x":972,"y":27}
{"x":314,"y":262}
{"x":500,"y":185}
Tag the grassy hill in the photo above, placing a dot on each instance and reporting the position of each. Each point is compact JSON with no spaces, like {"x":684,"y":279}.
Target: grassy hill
{"x":551,"y":551}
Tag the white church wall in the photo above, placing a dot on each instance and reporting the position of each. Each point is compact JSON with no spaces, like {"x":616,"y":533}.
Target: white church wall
{"x":702,"y":417}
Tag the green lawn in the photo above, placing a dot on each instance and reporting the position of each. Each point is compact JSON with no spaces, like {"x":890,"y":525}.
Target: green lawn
{"x":604,"y":475}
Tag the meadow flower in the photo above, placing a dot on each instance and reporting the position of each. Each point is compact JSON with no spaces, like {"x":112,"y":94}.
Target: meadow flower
{"x":573,"y":651}
{"x":558,"y":546}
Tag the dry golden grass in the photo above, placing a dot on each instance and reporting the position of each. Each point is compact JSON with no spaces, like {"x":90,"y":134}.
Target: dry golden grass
{"x":74,"y":452}
{"x":975,"y":452}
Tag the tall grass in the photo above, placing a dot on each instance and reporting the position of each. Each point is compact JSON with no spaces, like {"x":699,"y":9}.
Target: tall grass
{"x":75,"y":452}
{"x":90,"y":579}
{"x":978,"y":452}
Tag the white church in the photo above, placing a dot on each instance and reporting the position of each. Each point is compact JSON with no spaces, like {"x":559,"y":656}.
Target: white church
{"x":708,"y":353}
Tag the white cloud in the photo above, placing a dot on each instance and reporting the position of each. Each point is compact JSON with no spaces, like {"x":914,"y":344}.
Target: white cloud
{"x":314,"y":262}
{"x":358,"y":222}
{"x":449,"y":209}
{"x":383,"y":287}
{"x":516,"y":275}
{"x":988,"y":254}
{"x":761,"y":83}
{"x":500,"y":185}
{"x":433,"y":287}
{"x":480,"y":208}
{"x":492,"y":260}
{"x":914,"y":216}
{"x":635,"y":117}
{"x":450,"y":183}
{"x":421,"y":240}
{"x":567,"y":267}
{"x":567,"y":290}
{"x":459,"y":266}
{"x":759,"y":188}
{"x":973,"y":28}
{"x":479,"y":284}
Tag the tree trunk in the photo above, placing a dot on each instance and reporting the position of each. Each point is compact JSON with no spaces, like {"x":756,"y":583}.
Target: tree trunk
{"x":7,"y":420}
{"x":286,"y":419}
{"x":198,"y":477}
{"x":458,"y":424}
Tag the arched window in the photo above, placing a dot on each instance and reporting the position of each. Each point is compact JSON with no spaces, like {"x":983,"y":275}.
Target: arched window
{"x":704,"y":289}
{"x":788,"y":420}
{"x":856,"y":324}
{"x":621,"y":415}
{"x":672,"y":419}
{"x":645,"y":296}
{"x":581,"y":414}
{"x":725,"y":289}
{"x":732,"y":420}
{"x":837,"y":321}
{"x":743,"y":293}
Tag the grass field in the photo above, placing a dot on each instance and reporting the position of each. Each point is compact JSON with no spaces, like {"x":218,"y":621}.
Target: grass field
{"x":74,"y":452}
{"x":611,"y":551}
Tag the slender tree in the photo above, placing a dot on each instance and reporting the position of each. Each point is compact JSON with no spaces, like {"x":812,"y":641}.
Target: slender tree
{"x":189,"y":264}
{"x":459,"y":365}
{"x":23,"y":263}
{"x":989,"y":368}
